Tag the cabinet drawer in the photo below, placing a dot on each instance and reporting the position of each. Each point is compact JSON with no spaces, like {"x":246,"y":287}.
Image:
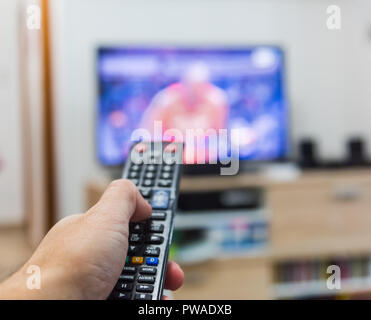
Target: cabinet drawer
{"x":331,"y":217}
{"x":226,"y":279}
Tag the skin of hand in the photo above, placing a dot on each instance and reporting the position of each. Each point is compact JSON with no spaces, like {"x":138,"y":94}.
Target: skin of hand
{"x":83,"y":255}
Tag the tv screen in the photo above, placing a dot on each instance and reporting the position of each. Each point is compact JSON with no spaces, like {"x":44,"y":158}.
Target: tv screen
{"x":240,"y":89}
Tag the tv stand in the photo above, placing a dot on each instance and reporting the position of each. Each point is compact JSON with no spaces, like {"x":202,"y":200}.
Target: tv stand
{"x":301,"y":215}
{"x":201,"y":169}
{"x":214,"y":169}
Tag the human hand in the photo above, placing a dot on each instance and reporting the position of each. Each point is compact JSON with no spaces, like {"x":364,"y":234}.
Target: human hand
{"x":83,"y":255}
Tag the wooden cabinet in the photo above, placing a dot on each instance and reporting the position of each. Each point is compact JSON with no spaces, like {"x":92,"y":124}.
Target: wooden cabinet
{"x":319,"y":215}
{"x":227,"y":279}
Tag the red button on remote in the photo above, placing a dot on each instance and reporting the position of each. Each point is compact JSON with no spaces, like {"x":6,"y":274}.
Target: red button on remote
{"x":140,"y":147}
{"x":171,"y":148}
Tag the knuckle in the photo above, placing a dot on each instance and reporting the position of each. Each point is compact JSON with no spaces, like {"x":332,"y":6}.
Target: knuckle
{"x":116,"y":183}
{"x":127,"y":187}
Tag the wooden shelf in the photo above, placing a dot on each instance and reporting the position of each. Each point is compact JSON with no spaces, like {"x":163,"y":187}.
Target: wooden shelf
{"x":319,"y":288}
{"x":216,"y":219}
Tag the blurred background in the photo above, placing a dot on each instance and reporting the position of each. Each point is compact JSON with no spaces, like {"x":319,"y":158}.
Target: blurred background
{"x":292,"y":76}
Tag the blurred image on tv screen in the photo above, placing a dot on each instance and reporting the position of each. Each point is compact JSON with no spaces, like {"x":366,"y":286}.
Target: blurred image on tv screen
{"x":193,"y":88}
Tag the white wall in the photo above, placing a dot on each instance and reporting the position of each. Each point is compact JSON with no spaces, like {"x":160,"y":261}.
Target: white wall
{"x":328,"y":71}
{"x":11,"y":174}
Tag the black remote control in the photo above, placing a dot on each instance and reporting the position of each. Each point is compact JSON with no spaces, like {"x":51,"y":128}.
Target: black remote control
{"x":154,"y":167}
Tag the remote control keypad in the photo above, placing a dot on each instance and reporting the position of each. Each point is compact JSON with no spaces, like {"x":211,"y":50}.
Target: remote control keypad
{"x":155,"y":182}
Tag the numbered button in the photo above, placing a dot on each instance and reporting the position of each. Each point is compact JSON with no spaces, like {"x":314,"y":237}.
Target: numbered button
{"x":149,"y":175}
{"x":151,"y":168}
{"x":135,"y":167}
{"x":166,"y":175}
{"x":165,"y":183}
{"x":148,"y":183}
{"x":134,"y":174}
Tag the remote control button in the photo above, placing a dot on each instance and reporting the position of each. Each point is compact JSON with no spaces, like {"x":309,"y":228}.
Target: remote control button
{"x":152,"y":251}
{"x":121,"y":295}
{"x":171,"y":148}
{"x":137,"y":227}
{"x":141,"y":147}
{"x":156,"y":228}
{"x":146,"y":279}
{"x":135,"y":238}
{"x":158,"y":216}
{"x":134,"y":174}
{"x":143,"y":296}
{"x":132,"y":249}
{"x":166,"y":175}
{"x":146,"y":193}
{"x":160,"y":199}
{"x":167,"y":168}
{"x":137,"y":260}
{"x":149,"y":175}
{"x":164,"y":183}
{"x":129,"y":270}
{"x":135,"y":167}
{"x":151,"y":168}
{"x":127,"y":277}
{"x":152,"y":261}
{"x":148,"y":183}
{"x":124,"y":286}
{"x":154,"y":239}
{"x":144,"y":288}
{"x":135,"y":181}
{"x":127,"y":260}
{"x":148,"y":270}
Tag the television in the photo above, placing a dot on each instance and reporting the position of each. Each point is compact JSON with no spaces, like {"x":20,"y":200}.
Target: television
{"x":239,"y":89}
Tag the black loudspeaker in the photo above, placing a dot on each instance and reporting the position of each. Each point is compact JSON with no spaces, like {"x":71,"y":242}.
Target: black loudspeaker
{"x":308,"y":157}
{"x":356,"y":153}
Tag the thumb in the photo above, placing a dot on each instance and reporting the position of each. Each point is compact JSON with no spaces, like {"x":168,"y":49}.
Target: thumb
{"x":122,"y":202}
